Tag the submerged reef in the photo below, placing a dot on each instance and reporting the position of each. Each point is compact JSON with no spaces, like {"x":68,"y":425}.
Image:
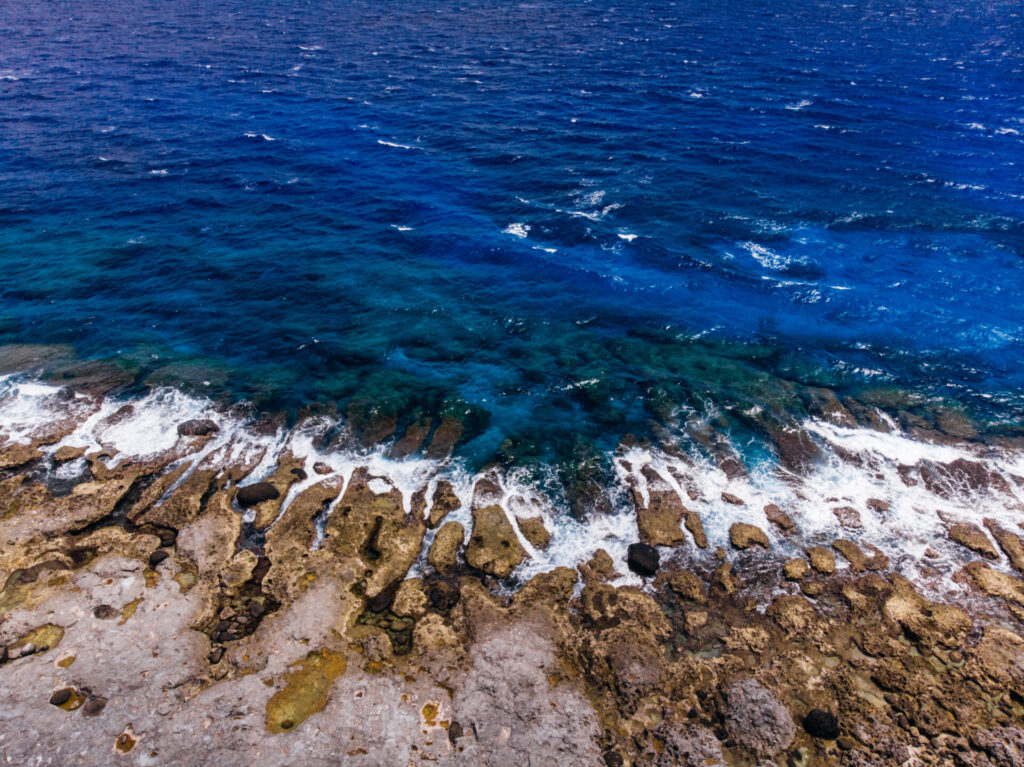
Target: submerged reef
{"x":184,"y":586}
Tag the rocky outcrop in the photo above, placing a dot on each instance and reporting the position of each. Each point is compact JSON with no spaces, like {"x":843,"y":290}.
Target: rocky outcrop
{"x":493,"y":545}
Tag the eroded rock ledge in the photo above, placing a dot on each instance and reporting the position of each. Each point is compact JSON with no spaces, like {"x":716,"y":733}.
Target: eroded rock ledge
{"x":151,"y":616}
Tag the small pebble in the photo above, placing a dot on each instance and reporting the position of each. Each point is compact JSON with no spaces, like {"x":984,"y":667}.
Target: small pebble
{"x":157,"y":557}
{"x":60,"y":697}
{"x":27,"y":649}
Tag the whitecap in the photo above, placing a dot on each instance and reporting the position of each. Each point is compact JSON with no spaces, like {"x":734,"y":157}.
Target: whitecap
{"x":517,"y":230}
{"x":382,"y":142}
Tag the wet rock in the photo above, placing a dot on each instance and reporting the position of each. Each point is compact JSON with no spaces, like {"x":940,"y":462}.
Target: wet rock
{"x":947,"y":480}
{"x":852,"y":553}
{"x":848,"y":517}
{"x":443,"y":502}
{"x":493,"y":545}
{"x":756,"y":719}
{"x":66,"y":453}
{"x":795,"y":569}
{"x":658,"y":520}
{"x":250,"y":495}
{"x":822,"y":560}
{"x":779,"y":518}
{"x":643,"y":559}
{"x":997,"y":584}
{"x":322,"y":468}
{"x":743,"y":536}
{"x":1011,"y":543}
{"x":972,"y":537}
{"x":534,"y":531}
{"x":688,"y":586}
{"x":822,"y":724}
{"x":444,"y":551}
{"x":197,"y":427}
{"x":696,"y":528}
{"x":599,"y":568}
{"x":878,"y":505}
{"x":735,"y":500}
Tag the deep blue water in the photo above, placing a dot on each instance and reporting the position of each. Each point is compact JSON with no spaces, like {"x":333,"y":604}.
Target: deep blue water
{"x":445,"y":205}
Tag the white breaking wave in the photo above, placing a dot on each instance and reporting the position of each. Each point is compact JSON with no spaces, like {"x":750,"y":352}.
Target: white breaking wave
{"x":880,"y":474}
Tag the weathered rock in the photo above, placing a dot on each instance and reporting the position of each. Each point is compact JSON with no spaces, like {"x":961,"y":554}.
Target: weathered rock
{"x":725,"y":580}
{"x":997,"y":584}
{"x":658,"y":519}
{"x":795,"y":569}
{"x":493,"y":546}
{"x":743,"y":536}
{"x":756,"y":718}
{"x":973,"y":537}
{"x":689,"y":745}
{"x":779,"y":518}
{"x":735,"y":500}
{"x":1011,"y":543}
{"x":643,"y":559}
{"x":848,"y":517}
{"x":444,"y":551}
{"x":688,"y":586}
{"x":878,"y":505}
{"x":534,"y":531}
{"x":822,"y":724}
{"x":696,"y":528}
{"x":822,"y":560}
{"x":852,"y":553}
{"x":444,"y":501}
{"x":928,"y":623}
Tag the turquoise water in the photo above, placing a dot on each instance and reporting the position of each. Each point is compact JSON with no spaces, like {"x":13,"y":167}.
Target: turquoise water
{"x":560,"y":222}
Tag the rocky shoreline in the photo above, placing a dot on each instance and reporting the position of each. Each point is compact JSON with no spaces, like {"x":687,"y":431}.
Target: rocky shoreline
{"x":200,"y":604}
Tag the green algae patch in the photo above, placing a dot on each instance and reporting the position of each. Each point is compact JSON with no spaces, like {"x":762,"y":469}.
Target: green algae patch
{"x":43,"y":638}
{"x":129,"y":610}
{"x":305,"y":690}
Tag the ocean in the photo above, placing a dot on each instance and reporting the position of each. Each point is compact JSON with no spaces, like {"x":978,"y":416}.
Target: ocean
{"x":570,"y":228}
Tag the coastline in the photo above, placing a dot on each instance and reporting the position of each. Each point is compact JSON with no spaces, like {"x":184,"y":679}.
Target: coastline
{"x":281,"y":586}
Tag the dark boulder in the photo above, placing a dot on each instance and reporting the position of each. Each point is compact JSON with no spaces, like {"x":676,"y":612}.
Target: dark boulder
{"x":197,"y":427}
{"x":250,"y":495}
{"x":821,"y":724}
{"x":60,"y":697}
{"x":157,"y":557}
{"x":643,"y":559}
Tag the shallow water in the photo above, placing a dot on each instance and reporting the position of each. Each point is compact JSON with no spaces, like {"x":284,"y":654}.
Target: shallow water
{"x":566,"y":218}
